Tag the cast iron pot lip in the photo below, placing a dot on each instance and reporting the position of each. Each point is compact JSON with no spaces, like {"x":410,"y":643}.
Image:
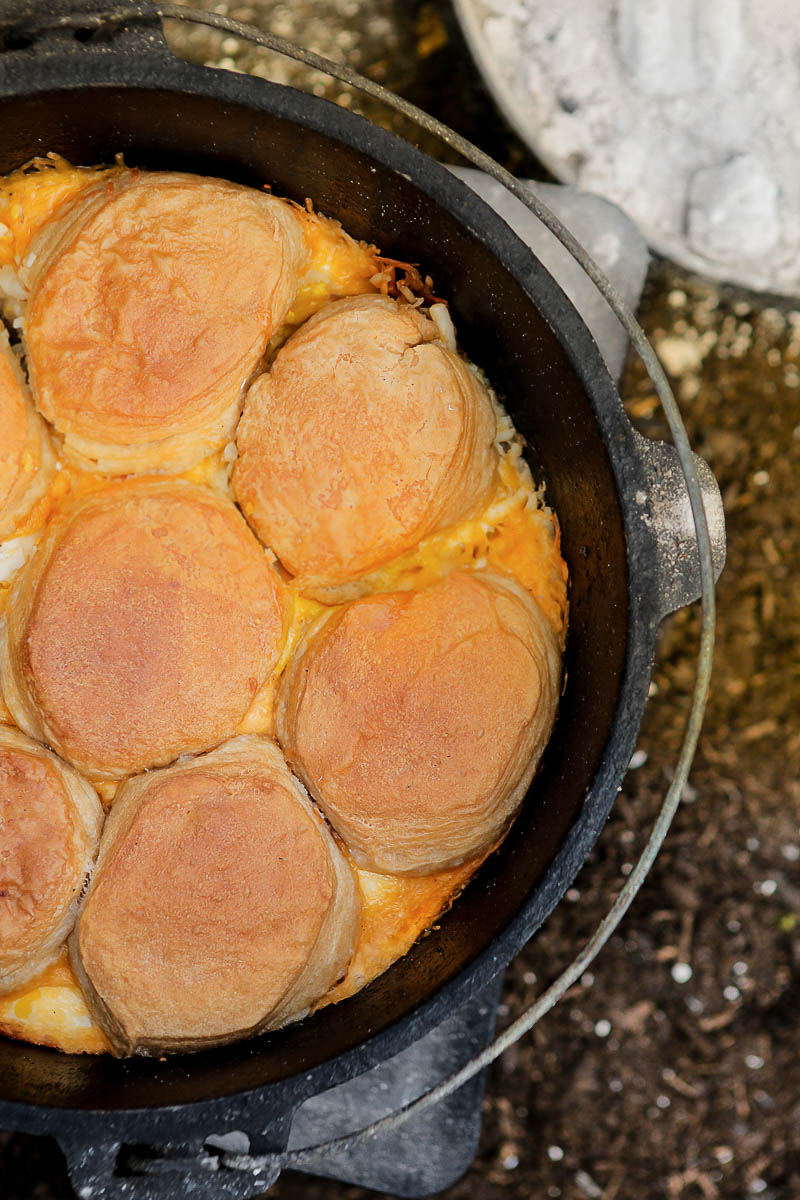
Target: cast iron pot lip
{"x":167,"y":73}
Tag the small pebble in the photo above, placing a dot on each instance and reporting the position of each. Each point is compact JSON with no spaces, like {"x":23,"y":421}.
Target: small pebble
{"x":573,"y":895}
{"x":681,"y":972}
{"x":754,"y":1062}
{"x":663,"y":1101}
{"x":791,"y":852}
{"x":752,"y":843}
{"x":638,"y":759}
{"x":603,"y":1028}
{"x":694,"y":1005}
{"x":761,"y":478}
{"x":731,"y":993}
{"x":555,"y":1153}
{"x":723,"y":1154}
{"x":740,"y":968}
{"x":511,"y":1162}
{"x":758,"y":1185}
{"x":615,"y":1085}
{"x":588,"y":1185}
{"x":768,"y":887}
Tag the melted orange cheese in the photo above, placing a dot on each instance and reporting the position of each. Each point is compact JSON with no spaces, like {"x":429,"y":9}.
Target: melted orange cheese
{"x":51,"y":1011}
{"x":30,"y":196}
{"x":394,"y":913}
{"x":515,"y":533}
{"x":338,"y":266}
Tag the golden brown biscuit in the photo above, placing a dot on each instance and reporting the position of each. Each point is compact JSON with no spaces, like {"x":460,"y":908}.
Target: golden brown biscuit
{"x":141,"y":629}
{"x":367,"y":434}
{"x":220,"y":905}
{"x":152,"y":297}
{"x":50,"y":821}
{"x":26,"y":456}
{"x":417,"y":719}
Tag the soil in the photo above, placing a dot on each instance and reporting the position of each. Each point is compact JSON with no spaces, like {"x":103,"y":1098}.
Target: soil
{"x":671,"y":1072}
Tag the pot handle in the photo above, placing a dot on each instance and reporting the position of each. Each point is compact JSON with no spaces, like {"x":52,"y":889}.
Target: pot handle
{"x":130,"y":1170}
{"x":666,"y":512}
{"x":49,"y":27}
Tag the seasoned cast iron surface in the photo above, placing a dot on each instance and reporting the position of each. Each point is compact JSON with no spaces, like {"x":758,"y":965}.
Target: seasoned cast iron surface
{"x":640,"y":1085}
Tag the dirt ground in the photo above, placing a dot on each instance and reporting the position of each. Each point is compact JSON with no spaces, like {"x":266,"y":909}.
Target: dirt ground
{"x":672,"y":1071}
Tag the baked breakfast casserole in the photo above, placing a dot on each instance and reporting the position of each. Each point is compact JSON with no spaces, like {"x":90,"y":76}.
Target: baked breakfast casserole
{"x":281,"y":610}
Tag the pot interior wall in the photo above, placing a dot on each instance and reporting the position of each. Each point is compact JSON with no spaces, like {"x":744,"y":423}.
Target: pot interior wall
{"x":501,"y":330}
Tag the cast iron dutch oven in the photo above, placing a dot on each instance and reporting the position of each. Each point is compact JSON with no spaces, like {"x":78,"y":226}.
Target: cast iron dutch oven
{"x":627,"y":540}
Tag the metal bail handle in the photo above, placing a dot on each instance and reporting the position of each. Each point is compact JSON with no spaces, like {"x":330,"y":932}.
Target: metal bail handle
{"x":258,"y":1165}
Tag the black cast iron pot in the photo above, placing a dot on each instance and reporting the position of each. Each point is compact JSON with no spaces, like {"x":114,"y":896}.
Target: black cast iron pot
{"x":627,"y":539}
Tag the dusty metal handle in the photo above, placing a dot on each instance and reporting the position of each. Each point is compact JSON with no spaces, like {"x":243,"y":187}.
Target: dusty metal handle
{"x":127,"y":1170}
{"x":666,"y":511}
{"x":41,"y":27}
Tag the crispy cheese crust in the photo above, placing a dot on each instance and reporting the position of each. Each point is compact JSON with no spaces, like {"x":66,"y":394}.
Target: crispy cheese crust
{"x":141,"y":629}
{"x":366,"y":435}
{"x":50,"y":822}
{"x":220,"y":905}
{"x":417,"y":719}
{"x":162,"y":291}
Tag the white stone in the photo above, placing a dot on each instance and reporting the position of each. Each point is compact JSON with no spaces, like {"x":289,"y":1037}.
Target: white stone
{"x":733,"y":209}
{"x":235,"y":1142}
{"x":656,"y":45}
{"x":680,"y":354}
